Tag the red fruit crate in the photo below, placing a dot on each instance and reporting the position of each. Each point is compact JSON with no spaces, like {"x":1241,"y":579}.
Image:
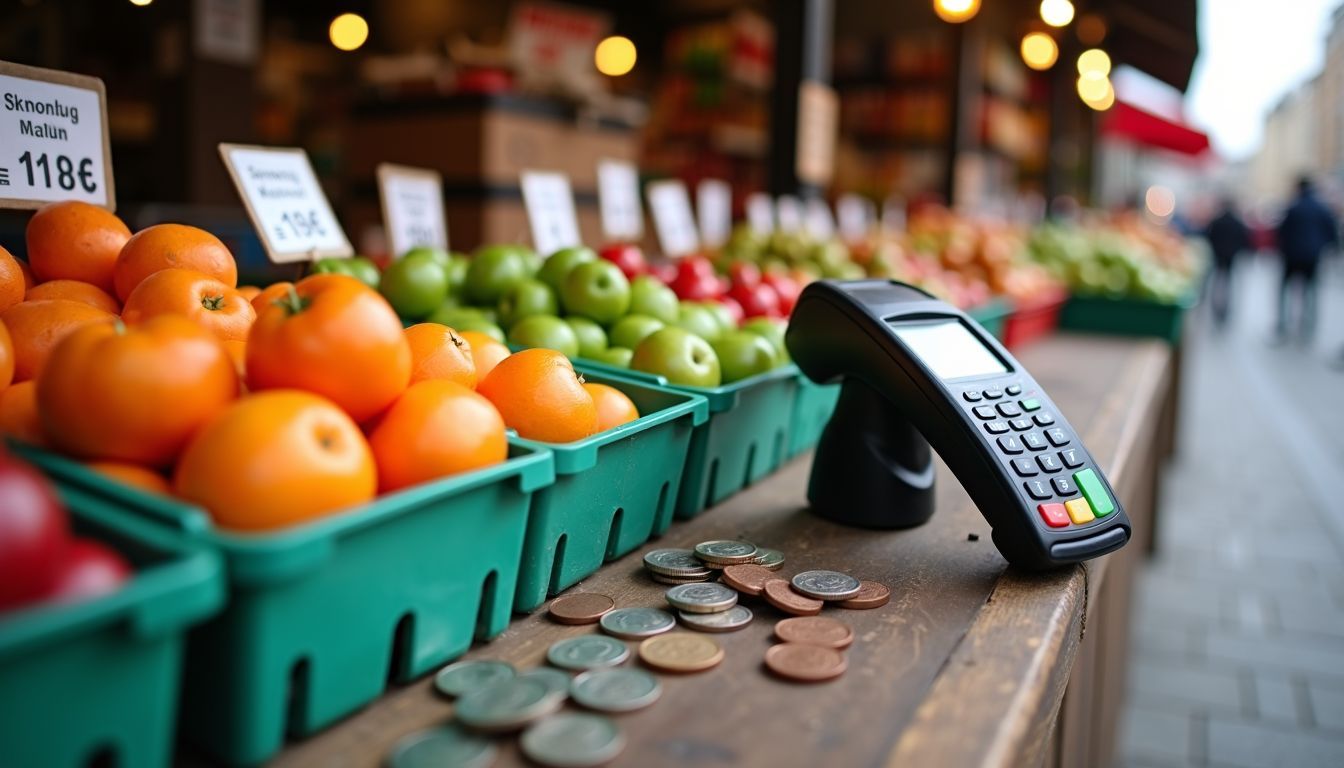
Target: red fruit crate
{"x":1034,"y":318}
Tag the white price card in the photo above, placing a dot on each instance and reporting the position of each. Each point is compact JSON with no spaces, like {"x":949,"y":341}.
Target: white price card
{"x":789,"y":213}
{"x":618,"y":201}
{"x":893,"y":215}
{"x":412,"y":201}
{"x":856,"y":217}
{"x":672,"y":218}
{"x":819,"y":222}
{"x":760,"y":213}
{"x":285,"y":200}
{"x":714,"y":208}
{"x":550,"y":211}
{"x":53,"y":138}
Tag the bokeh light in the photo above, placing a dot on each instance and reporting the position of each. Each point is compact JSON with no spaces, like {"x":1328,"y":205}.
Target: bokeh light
{"x":1056,"y":13}
{"x":1094,"y":61}
{"x":1039,"y":50}
{"x":615,"y":56}
{"x":1160,"y":201}
{"x":956,"y":11}
{"x":348,"y":31}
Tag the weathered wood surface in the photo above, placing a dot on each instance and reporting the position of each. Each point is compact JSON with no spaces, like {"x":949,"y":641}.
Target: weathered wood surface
{"x":966,"y":666}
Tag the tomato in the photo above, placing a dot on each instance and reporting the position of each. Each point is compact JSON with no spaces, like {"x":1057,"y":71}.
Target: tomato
{"x":34,"y":532}
{"x":87,"y":569}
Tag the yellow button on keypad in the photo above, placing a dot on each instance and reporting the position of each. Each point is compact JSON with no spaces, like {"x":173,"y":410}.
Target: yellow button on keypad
{"x":1079,"y":511}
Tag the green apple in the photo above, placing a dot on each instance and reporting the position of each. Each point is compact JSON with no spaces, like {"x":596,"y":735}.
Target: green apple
{"x":700,"y":321}
{"x":530,"y":297}
{"x":597,"y":290}
{"x":415,"y":286}
{"x":481,"y":325}
{"x":721,"y":313}
{"x":592,"y":339}
{"x":437,"y":254}
{"x":771,"y":330}
{"x":456,"y":267}
{"x":494,"y":270}
{"x":632,"y":329}
{"x":554,"y":269}
{"x":533,"y":261}
{"x":743,"y":354}
{"x":648,"y":296}
{"x":546,"y":331}
{"x":680,"y":356}
{"x":364,"y":270}
{"x":617,"y":356}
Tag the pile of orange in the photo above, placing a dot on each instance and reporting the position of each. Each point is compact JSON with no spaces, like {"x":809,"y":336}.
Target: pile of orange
{"x":141,"y":356}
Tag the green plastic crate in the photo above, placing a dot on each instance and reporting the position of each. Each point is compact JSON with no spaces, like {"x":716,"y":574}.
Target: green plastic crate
{"x":992,"y":315}
{"x":812,"y":409}
{"x":97,"y":682}
{"x":612,"y":492}
{"x":1127,"y":317}
{"x":322,"y":615}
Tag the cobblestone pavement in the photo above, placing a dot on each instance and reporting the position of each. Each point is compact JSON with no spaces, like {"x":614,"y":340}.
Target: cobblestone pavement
{"x":1239,"y":620}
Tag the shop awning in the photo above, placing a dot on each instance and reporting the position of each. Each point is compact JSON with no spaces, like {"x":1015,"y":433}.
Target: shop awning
{"x":1127,"y":121}
{"x":1156,"y":36}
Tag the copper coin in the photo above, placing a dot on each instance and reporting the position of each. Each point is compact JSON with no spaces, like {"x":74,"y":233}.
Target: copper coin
{"x":871,"y":595}
{"x":815,"y":630}
{"x":580,"y":608}
{"x":680,"y":652}
{"x":805,"y":663}
{"x":780,"y":594}
{"x":748,"y":579}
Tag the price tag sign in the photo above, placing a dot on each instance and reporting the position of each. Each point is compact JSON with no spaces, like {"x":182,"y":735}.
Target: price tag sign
{"x":893,"y":215}
{"x":53,"y":138}
{"x":286,"y":203}
{"x":789,"y":213}
{"x":760,"y":213}
{"x":618,"y":200}
{"x":819,"y":223}
{"x":412,"y":208}
{"x":856,"y":217}
{"x":550,"y":211}
{"x":672,"y":218}
{"x":714,"y":207}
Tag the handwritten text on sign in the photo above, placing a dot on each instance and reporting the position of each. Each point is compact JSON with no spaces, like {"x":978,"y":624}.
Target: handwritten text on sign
{"x":53,"y":139}
{"x":412,"y":208}
{"x":286,"y":202}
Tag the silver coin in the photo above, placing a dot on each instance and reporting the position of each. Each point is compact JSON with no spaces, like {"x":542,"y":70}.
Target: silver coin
{"x":673,"y":562}
{"x":615,"y":690}
{"x":661,"y":579}
{"x":587,"y":652}
{"x":507,"y":705}
{"x":573,"y":740}
{"x":725,"y":551}
{"x":637,"y":623}
{"x":702,"y":598}
{"x":444,"y":747}
{"x":556,"y":679}
{"x":466,"y":676}
{"x":730,"y":620}
{"x":769,"y":558}
{"x":826,"y":585}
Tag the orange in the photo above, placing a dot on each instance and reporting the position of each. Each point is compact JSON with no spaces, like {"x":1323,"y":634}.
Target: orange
{"x":269,"y":294}
{"x":28,"y":280}
{"x":12,"y":282}
{"x":6,"y":358}
{"x":136,"y":393}
{"x":613,"y":407}
{"x":36,"y":326}
{"x":249,"y":291}
{"x":539,"y":395}
{"x":75,"y":241}
{"x":238,"y":353}
{"x":18,"y":413}
{"x":485,"y":352}
{"x":436,"y":428}
{"x":168,"y":246}
{"x":74,"y":290}
{"x":335,"y":336}
{"x":275,"y":459}
{"x":438,"y":352}
{"x":204,"y":300}
{"x":133,"y":475}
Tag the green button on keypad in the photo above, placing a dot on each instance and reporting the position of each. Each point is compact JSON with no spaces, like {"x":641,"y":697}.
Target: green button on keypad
{"x":1095,"y":493}
{"x":1030,"y":404}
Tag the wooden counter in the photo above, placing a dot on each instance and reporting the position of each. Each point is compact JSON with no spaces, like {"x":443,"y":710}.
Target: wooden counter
{"x":971,"y":663}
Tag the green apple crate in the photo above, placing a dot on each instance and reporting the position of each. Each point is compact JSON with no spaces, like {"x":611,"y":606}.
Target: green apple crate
{"x":1127,"y":316}
{"x":322,"y":615}
{"x":96,"y":682}
{"x":812,"y":409}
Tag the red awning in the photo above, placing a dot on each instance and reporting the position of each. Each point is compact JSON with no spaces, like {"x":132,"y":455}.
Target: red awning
{"x":1128,"y":121}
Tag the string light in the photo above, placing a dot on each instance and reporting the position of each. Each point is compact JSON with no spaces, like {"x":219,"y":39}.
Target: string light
{"x":1094,"y":61}
{"x":1056,"y":13}
{"x":956,"y":11}
{"x":1039,"y":50}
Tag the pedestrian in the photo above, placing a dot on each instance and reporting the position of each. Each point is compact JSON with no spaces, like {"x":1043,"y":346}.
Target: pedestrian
{"x":1307,"y":229}
{"x":1228,"y":236}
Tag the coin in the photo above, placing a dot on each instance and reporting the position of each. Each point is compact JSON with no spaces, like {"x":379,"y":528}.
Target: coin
{"x":705,"y":576}
{"x":443,"y":746}
{"x":805,"y":663}
{"x":673,"y":562}
{"x":815,"y":630}
{"x":769,"y":558}
{"x":466,"y":676}
{"x":637,"y":623}
{"x":826,"y":585}
{"x":587,"y":652}
{"x":573,"y":740}
{"x":725,"y":551}
{"x":580,"y":608}
{"x":680,"y":652}
{"x":701,"y":598}
{"x":779,"y":594}
{"x":730,"y":620}
{"x":507,"y":705}
{"x":871,"y":595}
{"x":555,"y":679}
{"x":747,"y":578}
{"x":616,"y":690}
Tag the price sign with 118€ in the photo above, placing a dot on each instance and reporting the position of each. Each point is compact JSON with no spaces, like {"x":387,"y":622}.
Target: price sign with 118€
{"x":287,"y":205}
{"x":53,"y":138}
{"x":412,"y":208}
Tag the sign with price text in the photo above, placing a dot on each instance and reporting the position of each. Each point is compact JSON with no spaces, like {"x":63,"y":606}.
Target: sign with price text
{"x":550,"y":211}
{"x":53,"y":138}
{"x":287,"y":205}
{"x":412,"y":208}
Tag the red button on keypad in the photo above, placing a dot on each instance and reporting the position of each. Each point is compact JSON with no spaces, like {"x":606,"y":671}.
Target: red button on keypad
{"x":1054,"y":515}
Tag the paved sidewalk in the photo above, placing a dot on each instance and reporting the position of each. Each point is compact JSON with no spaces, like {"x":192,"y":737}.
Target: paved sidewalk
{"x":1239,"y":620}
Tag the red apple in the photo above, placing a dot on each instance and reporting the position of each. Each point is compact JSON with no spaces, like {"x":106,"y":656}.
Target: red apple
{"x":758,"y":300}
{"x":786,"y":287}
{"x":744,"y":273}
{"x":665,"y":271}
{"x":88,"y":569}
{"x":34,"y":533}
{"x":734,"y":309}
{"x":627,"y":257}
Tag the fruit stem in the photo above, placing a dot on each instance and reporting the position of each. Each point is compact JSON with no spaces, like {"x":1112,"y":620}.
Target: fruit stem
{"x":291,"y":301}
{"x":118,"y":326}
{"x":213,"y":303}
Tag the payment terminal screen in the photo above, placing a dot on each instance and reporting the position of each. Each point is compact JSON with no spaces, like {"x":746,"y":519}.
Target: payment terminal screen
{"x":949,"y":349}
